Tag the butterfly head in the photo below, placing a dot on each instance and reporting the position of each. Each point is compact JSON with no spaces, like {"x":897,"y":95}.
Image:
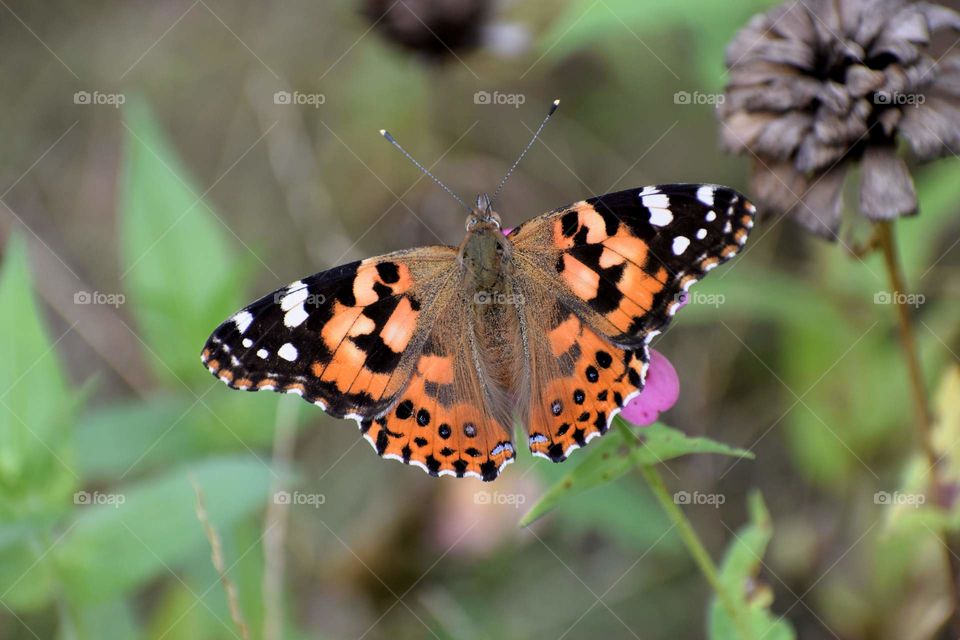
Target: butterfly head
{"x":483,"y":217}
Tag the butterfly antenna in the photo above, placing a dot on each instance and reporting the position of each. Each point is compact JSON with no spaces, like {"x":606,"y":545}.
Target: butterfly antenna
{"x":553,"y":107}
{"x":391,"y":140}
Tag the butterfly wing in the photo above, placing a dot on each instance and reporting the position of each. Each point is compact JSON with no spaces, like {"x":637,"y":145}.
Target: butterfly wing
{"x":375,"y":341}
{"x":447,"y":421}
{"x":612,"y":270}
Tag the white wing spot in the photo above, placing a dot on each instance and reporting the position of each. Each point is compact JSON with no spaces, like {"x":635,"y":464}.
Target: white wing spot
{"x":288,"y":352}
{"x":701,"y":234}
{"x":656,"y":201}
{"x":711,"y":216}
{"x":660,"y":217}
{"x":295,"y":317}
{"x":242,"y":320}
{"x":705,"y":195}
{"x":247,"y":343}
{"x":262,"y":354}
{"x":680,"y":244}
{"x":293,"y":299}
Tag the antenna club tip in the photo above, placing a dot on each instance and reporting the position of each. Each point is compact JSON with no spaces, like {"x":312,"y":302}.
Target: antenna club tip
{"x":386,"y":134}
{"x":553,"y":107}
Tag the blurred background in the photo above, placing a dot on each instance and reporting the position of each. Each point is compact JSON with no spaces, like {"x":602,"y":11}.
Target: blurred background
{"x":166,"y":162}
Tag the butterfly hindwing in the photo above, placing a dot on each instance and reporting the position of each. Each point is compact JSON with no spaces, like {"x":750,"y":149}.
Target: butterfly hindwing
{"x":576,"y":400}
{"x":444,"y":422}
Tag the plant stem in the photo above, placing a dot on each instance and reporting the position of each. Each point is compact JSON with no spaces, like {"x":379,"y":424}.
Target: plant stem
{"x":697,"y":551}
{"x":923,"y":421}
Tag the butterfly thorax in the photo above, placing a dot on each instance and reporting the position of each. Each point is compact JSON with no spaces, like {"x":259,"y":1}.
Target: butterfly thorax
{"x":494,"y":317}
{"x":485,"y":252}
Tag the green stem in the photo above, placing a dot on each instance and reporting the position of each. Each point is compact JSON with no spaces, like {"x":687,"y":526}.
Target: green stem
{"x":697,"y":551}
{"x":922,"y":418}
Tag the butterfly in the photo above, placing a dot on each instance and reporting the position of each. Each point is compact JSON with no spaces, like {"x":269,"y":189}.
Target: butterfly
{"x":436,"y":351}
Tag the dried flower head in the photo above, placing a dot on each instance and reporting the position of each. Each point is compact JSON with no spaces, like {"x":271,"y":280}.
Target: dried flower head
{"x":437,"y":29}
{"x":817,"y":85}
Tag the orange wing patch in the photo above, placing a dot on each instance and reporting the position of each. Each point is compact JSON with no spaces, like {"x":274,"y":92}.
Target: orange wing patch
{"x":573,"y":409}
{"x":433,"y":429}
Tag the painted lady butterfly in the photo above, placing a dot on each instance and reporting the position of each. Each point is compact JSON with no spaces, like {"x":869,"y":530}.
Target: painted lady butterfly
{"x":435,"y":351}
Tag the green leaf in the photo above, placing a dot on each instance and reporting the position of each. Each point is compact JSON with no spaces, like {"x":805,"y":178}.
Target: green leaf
{"x":172,"y":428}
{"x":35,"y":402}
{"x":27,"y":581}
{"x":140,"y":532}
{"x":179,"y":269}
{"x":946,"y":429}
{"x":112,"y":619}
{"x":910,"y":507}
{"x":107,"y":448}
{"x":738,"y":578}
{"x":613,"y":456}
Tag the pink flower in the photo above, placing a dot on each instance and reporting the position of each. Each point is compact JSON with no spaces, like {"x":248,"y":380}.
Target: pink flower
{"x":659,"y":394}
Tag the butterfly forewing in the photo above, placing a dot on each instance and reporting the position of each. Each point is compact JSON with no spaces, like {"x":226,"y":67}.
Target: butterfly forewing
{"x":338,"y":338}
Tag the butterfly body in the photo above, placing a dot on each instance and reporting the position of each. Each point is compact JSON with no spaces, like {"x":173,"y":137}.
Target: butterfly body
{"x":438,"y":352}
